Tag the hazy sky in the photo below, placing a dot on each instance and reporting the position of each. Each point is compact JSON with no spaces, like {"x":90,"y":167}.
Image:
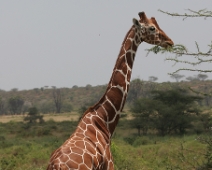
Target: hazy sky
{"x":65,"y":43}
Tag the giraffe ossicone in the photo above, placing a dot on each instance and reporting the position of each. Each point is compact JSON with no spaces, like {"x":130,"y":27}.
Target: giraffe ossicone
{"x":88,"y":148}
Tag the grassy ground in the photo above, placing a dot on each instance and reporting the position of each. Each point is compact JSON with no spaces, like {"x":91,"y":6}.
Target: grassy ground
{"x":29,"y":147}
{"x":171,"y":153}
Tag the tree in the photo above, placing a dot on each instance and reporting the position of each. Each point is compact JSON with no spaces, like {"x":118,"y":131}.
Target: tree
{"x":46,"y":107}
{"x":202,"y":77}
{"x":177,"y":77}
{"x":88,"y":87}
{"x":14,"y":90}
{"x":199,"y":77}
{"x":2,"y":106}
{"x":171,"y":111}
{"x":153,"y":78}
{"x":33,"y":116}
{"x":207,"y":93}
{"x":135,"y":90}
{"x":192,"y":78}
{"x":16,"y":103}
{"x":57,"y":97}
{"x":152,"y":84}
{"x":175,"y":110}
{"x":206,"y":121}
{"x":67,"y":107}
{"x":142,"y":111}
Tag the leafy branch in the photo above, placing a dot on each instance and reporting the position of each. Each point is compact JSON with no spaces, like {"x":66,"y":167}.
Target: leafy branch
{"x":180,"y":50}
{"x":201,"y":13}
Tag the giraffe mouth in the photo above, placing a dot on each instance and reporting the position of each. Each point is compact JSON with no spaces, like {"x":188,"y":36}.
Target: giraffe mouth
{"x":167,"y":44}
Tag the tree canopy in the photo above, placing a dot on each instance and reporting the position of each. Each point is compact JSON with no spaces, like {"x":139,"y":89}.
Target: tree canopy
{"x":171,"y":111}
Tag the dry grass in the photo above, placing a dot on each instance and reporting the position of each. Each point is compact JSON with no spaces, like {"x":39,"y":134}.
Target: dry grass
{"x":14,"y":118}
{"x":73,"y":116}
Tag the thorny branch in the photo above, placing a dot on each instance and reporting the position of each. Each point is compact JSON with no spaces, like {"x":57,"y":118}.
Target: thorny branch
{"x":201,"y":13}
{"x":200,"y":93}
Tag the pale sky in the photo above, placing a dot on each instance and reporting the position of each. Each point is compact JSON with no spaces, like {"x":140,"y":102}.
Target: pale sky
{"x":66,"y":43}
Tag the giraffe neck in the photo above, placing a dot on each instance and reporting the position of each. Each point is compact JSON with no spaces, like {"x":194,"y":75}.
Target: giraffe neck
{"x":112,"y":102}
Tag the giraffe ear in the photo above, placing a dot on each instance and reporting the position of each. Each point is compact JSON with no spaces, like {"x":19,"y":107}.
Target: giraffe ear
{"x":136,"y":23}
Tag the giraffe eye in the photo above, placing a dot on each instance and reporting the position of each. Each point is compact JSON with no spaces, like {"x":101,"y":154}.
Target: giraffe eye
{"x":152,"y":28}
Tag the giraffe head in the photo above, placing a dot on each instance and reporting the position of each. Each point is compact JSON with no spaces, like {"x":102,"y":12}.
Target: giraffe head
{"x":150,"y":31}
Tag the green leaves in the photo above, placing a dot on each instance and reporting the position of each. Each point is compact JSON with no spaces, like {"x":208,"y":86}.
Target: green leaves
{"x":178,"y":51}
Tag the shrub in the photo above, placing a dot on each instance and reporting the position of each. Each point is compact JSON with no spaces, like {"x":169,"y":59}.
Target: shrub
{"x":122,"y":160}
{"x":141,"y":141}
{"x":130,"y":140}
{"x":43,"y":131}
{"x":6,"y":163}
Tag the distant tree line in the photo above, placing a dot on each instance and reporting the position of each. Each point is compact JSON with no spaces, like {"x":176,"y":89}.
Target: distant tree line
{"x":196,"y":84}
{"x":59,"y":100}
{"x":16,"y":105}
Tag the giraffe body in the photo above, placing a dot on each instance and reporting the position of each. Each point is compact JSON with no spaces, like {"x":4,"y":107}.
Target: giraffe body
{"x":88,"y":148}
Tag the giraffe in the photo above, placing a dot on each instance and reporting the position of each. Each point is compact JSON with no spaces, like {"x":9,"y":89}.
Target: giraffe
{"x":88,"y":148}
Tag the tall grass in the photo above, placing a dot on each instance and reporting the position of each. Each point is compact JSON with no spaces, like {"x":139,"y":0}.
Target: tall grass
{"x":170,"y":153}
{"x":28,"y":147}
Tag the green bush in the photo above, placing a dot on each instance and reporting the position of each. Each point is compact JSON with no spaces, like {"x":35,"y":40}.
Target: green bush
{"x":141,"y":141}
{"x":2,"y":138}
{"x":207,"y":165}
{"x":7,"y":163}
{"x":130,"y":140}
{"x":43,"y":131}
{"x":122,"y":160}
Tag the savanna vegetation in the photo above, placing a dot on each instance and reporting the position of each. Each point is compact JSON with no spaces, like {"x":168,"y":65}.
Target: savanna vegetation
{"x":77,"y":99}
{"x":163,"y":126}
{"x":29,"y":145}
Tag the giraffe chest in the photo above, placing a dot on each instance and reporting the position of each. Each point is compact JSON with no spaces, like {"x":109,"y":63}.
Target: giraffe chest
{"x":81,"y":153}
